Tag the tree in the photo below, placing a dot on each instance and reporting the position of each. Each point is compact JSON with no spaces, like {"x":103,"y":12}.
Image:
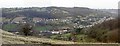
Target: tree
{"x":78,"y":30}
{"x":25,"y":29}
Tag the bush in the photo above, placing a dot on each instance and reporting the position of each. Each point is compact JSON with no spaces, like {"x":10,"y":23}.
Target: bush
{"x":78,"y":30}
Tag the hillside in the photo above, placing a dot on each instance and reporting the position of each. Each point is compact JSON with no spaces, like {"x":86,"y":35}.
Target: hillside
{"x":107,"y":31}
{"x":9,"y":38}
{"x":52,"y":12}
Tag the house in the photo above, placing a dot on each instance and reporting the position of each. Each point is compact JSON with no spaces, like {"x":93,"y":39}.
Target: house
{"x":36,"y":19}
{"x":45,"y":33}
{"x":55,"y":32}
{"x":60,"y":30}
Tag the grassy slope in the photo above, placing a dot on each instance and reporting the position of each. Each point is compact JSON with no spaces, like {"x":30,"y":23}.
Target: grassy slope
{"x":9,"y":38}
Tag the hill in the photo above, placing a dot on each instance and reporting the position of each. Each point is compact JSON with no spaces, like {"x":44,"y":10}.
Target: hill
{"x":107,"y":31}
{"x":52,"y":12}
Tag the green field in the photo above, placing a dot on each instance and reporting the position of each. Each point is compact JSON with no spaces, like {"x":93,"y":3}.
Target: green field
{"x":9,"y":27}
{"x":42,"y":28}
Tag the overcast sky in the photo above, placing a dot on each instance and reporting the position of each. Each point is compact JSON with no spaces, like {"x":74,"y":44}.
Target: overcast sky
{"x":102,"y":4}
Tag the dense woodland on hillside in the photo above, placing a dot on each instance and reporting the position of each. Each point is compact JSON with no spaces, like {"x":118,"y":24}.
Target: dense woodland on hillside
{"x":106,"y":32}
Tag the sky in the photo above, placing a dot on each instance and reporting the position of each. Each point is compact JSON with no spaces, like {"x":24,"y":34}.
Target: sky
{"x":96,"y":4}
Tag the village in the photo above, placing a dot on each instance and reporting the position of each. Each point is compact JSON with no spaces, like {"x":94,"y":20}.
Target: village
{"x":48,"y":27}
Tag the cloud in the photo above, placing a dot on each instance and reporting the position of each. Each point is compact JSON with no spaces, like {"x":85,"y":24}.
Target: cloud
{"x":97,"y":3}
{"x":60,"y":3}
{"x":63,"y":3}
{"x":11,"y":3}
